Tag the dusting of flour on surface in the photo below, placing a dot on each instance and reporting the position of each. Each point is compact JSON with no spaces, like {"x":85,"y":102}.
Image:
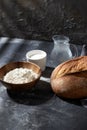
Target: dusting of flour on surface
{"x":20,"y":75}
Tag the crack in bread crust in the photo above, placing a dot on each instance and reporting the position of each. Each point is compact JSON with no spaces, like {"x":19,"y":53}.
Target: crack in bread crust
{"x":72,"y":66}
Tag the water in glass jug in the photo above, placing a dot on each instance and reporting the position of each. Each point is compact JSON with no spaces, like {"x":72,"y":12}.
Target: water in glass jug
{"x":62,"y":50}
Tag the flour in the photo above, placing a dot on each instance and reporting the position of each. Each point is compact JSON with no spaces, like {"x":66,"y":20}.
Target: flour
{"x":20,"y":76}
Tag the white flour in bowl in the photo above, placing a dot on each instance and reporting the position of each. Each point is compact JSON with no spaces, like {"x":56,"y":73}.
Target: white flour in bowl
{"x":20,"y":76}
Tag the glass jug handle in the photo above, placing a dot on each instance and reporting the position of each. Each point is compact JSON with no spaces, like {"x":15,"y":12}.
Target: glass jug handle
{"x":74,"y":50}
{"x":84,"y":50}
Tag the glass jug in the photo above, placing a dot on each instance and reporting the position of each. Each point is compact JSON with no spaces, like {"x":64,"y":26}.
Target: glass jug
{"x":62,"y":50}
{"x":84,"y":50}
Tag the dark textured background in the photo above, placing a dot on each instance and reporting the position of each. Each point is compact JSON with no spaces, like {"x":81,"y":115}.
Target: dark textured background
{"x":41,"y":19}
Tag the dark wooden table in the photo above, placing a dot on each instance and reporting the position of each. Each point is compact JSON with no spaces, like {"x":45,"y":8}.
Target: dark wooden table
{"x":40,"y":108}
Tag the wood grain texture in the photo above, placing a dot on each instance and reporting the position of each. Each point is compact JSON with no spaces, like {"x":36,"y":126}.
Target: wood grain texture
{"x":19,"y":87}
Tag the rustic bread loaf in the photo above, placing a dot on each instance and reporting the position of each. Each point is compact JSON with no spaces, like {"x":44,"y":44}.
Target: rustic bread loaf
{"x":69,"y":79}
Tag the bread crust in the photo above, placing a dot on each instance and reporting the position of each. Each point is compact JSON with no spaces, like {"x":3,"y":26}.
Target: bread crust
{"x":71,"y":66}
{"x":69,"y":79}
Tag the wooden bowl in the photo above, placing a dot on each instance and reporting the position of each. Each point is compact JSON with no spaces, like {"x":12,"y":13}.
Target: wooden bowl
{"x":13,"y":65}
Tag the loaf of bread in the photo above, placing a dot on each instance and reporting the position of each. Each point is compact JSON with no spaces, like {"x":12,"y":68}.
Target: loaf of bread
{"x":69,"y":79}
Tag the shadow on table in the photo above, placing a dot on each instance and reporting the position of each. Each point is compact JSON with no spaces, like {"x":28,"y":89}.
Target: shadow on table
{"x":72,"y":101}
{"x":39,"y":94}
{"x":36,"y":96}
